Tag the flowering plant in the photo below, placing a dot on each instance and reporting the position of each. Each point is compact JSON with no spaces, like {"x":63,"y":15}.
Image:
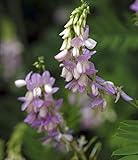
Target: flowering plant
{"x":81,"y":75}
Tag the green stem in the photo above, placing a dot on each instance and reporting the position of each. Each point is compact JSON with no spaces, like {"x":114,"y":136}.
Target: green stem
{"x":134,"y":104}
{"x":90,"y":143}
{"x":79,"y":152}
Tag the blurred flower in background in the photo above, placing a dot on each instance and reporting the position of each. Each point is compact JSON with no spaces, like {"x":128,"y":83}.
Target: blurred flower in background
{"x":10,"y":49}
{"x":92,"y":118}
{"x":134,"y":6}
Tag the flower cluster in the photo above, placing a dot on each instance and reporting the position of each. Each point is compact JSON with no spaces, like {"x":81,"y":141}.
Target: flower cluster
{"x":80,"y":73}
{"x":38,"y":102}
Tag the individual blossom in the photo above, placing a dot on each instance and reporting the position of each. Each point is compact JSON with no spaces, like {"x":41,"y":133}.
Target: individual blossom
{"x":42,"y":109}
{"x":75,"y":57}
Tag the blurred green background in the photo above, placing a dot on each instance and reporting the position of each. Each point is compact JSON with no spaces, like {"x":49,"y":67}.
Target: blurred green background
{"x":30,"y":28}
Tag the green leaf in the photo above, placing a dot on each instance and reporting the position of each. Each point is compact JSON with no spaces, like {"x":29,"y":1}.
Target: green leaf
{"x":128,"y":150}
{"x":130,"y":122}
{"x":134,"y":157}
{"x":128,"y":134}
{"x":15,"y":142}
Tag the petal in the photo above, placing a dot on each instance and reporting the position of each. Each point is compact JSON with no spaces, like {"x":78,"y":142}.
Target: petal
{"x":76,"y":74}
{"x":75,"y":52}
{"x":68,"y":76}
{"x":110,"y":87}
{"x":25,"y":105}
{"x":52,"y":81}
{"x":45,"y":77}
{"x":48,"y":88}
{"x":61,"y":56}
{"x":37,"y":92}
{"x":86,"y":33}
{"x":90,"y":43}
{"x":79,"y":67}
{"x":22,"y":99}
{"x":83,"y":80}
{"x":125,"y":96}
{"x":29,"y":96}
{"x":38,"y":103}
{"x":43,"y":112}
{"x":30,"y":118}
{"x":95,"y":91}
{"x":28,"y":76}
{"x":69,"y":65}
{"x":91,"y":70}
{"x":85,"y":56}
{"x":99,"y":79}
{"x":76,"y":42}
{"x":64,"y":72}
{"x":55,"y":89}
{"x":81,"y":89}
{"x":97,"y":102}
{"x":36,"y":79}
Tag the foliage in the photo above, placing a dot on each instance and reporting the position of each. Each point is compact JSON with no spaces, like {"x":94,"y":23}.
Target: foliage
{"x":14,"y":144}
{"x":128,"y":137}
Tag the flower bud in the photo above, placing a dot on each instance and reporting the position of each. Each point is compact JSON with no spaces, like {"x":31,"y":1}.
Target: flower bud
{"x":69,"y":23}
{"x":20,"y":83}
{"x":64,"y":44}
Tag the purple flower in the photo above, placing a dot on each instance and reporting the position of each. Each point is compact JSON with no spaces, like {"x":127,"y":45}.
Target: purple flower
{"x":134,"y":6}
{"x":42,"y":109}
{"x":80,"y":72}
